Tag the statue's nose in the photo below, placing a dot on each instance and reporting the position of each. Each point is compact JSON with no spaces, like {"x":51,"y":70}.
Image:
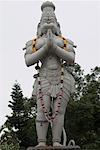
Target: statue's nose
{"x":48,"y":21}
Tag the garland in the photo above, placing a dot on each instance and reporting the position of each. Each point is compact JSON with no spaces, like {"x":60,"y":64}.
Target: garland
{"x":49,"y":117}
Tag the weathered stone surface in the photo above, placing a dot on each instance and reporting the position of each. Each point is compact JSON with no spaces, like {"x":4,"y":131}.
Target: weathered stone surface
{"x":54,"y":83}
{"x":55,"y":148}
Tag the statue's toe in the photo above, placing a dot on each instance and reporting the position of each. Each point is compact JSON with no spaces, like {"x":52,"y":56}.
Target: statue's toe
{"x":57,"y":144}
{"x":41,"y":144}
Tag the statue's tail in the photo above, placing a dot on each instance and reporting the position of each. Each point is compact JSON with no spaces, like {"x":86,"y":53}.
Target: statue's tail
{"x":64,"y":137}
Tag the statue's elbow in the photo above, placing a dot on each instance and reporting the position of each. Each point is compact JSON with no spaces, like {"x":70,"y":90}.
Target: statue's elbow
{"x":27,"y":63}
{"x":72,"y":57}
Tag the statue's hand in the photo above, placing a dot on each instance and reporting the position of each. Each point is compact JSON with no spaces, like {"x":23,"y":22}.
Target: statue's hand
{"x":49,"y":39}
{"x":49,"y":34}
{"x":50,"y":43}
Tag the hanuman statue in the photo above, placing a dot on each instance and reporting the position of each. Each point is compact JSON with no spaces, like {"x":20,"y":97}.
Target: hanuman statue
{"x":54,"y":84}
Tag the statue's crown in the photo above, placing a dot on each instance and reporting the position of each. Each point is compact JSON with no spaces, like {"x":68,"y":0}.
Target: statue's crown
{"x":47,"y":4}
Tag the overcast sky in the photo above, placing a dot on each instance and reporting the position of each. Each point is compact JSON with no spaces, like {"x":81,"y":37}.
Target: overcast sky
{"x":79,"y":21}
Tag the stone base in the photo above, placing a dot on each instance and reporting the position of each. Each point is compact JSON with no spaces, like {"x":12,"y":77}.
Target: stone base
{"x":55,"y":148}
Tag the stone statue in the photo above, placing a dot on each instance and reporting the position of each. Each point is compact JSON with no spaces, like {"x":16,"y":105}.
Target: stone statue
{"x":54,"y":84}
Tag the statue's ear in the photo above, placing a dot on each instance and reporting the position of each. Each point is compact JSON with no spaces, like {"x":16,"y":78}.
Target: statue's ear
{"x":38,"y":30}
{"x":59,"y":31}
{"x":38,"y":25}
{"x":58,"y":24}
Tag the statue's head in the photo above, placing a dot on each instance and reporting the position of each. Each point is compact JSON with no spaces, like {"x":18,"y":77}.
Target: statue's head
{"x":48,"y":20}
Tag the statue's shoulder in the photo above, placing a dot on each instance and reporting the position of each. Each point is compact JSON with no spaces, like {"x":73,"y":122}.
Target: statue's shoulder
{"x":70,"y":42}
{"x":67,"y":40}
{"x":28,"y":43}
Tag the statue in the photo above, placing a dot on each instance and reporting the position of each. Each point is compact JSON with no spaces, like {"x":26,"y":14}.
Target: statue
{"x":54,"y":84}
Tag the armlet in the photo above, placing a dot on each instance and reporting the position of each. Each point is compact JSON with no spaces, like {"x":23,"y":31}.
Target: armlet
{"x":65,"y":48}
{"x":65,"y":43}
{"x":34,"y":45}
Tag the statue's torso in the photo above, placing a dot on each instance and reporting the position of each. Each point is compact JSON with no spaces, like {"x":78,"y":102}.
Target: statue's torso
{"x":51,"y":69}
{"x":51,"y":64}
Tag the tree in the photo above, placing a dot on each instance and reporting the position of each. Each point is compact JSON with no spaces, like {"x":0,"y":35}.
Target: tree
{"x":17,"y":106}
{"x":83,"y":114}
{"x":22,"y":119}
{"x":9,"y":140}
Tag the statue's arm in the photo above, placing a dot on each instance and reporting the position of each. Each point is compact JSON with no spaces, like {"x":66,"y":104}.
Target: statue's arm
{"x":42,"y":45}
{"x":32,"y":57}
{"x":67,"y":54}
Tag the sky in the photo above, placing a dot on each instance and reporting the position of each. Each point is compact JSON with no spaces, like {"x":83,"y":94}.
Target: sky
{"x":79,"y":21}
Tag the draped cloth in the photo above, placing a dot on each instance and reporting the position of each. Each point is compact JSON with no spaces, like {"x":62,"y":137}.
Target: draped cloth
{"x":50,"y":83}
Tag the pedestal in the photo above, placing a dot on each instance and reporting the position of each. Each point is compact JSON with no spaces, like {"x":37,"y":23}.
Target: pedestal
{"x":55,"y":148}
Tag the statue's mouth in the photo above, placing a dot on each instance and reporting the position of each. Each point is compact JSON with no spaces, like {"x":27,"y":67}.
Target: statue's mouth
{"x":52,"y":26}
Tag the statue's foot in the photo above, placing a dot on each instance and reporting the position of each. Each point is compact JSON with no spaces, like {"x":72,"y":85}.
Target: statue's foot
{"x":41,"y":144}
{"x":57,"y":144}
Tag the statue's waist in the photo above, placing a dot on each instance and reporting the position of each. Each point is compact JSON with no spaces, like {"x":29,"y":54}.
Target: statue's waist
{"x":46,"y":72}
{"x":52,"y":75}
{"x":51,"y":62}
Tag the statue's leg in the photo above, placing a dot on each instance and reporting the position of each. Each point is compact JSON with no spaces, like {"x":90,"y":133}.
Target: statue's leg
{"x":59,"y":121}
{"x":41,"y":122}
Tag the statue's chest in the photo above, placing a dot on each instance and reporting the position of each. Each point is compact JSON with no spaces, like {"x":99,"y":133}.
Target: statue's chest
{"x":52,"y":63}
{"x":51,"y":69}
{"x":58,"y":41}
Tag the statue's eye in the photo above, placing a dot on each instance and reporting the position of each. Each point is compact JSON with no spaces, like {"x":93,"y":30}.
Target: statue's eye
{"x":44,"y":20}
{"x":38,"y":25}
{"x":58,"y":24}
{"x":52,"y":20}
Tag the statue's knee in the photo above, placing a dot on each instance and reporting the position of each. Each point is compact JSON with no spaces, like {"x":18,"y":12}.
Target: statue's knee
{"x":40,"y":116}
{"x":61,"y":111}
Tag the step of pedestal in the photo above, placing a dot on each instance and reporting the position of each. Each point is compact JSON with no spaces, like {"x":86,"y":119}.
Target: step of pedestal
{"x":55,"y":148}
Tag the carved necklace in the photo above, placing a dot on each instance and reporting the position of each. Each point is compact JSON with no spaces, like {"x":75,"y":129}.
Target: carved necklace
{"x":49,"y":117}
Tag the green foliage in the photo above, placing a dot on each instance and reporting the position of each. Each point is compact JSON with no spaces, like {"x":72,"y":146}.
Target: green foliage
{"x":6,"y":146}
{"x":83,"y":114}
{"x":9,"y":141}
{"x":22,"y":119}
